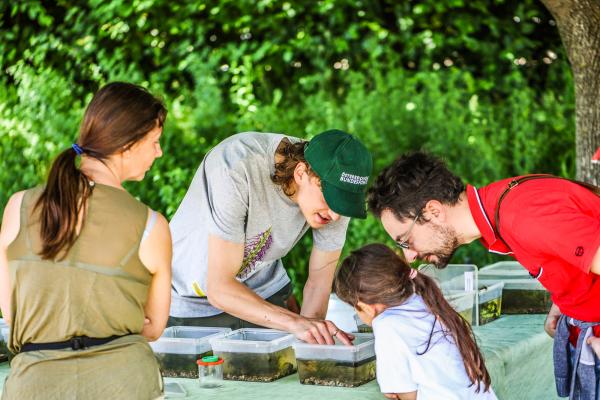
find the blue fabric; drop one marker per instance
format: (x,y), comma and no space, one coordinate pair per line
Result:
(597,372)
(77,149)
(576,369)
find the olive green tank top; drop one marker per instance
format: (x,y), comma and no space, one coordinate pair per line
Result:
(98,289)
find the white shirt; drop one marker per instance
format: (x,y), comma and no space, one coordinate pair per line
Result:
(403,331)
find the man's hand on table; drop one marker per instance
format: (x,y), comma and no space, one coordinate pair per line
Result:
(318,331)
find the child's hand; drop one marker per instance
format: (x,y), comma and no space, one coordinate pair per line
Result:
(595,343)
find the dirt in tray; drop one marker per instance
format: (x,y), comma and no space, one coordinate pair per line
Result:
(517,301)
(336,373)
(258,367)
(179,365)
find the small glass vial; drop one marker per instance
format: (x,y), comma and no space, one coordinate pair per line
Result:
(210,372)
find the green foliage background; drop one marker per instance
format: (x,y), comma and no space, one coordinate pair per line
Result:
(483,83)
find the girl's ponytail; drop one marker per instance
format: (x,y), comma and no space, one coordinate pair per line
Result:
(455,326)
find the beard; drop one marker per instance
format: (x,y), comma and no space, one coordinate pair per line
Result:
(449,244)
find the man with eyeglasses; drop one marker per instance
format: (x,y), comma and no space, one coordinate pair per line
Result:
(550,225)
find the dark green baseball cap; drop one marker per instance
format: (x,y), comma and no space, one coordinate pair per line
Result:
(344,165)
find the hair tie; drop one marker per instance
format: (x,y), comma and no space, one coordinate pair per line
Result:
(412,274)
(77,149)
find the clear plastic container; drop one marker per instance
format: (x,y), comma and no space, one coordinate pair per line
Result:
(255,354)
(361,327)
(521,294)
(4,331)
(341,314)
(454,277)
(464,303)
(458,283)
(178,349)
(489,299)
(210,372)
(337,365)
(5,354)
(174,390)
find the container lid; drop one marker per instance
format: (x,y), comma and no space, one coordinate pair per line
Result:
(505,265)
(363,348)
(252,340)
(517,284)
(512,273)
(507,269)
(210,360)
(187,339)
(487,293)
(460,300)
(453,277)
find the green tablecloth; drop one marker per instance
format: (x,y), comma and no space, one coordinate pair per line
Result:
(518,355)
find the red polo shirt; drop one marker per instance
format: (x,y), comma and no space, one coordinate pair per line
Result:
(552,227)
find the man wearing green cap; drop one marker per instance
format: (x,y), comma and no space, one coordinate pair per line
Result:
(251,200)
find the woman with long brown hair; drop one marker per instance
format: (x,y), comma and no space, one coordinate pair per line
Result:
(424,348)
(85,268)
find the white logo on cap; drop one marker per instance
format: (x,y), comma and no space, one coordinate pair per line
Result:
(354,179)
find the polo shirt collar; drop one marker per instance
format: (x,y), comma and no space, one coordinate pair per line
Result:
(488,235)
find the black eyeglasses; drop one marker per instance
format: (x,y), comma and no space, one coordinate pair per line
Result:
(403,244)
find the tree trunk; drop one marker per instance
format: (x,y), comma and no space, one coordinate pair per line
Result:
(578,22)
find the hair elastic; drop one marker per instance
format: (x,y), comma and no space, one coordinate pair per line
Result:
(77,149)
(412,274)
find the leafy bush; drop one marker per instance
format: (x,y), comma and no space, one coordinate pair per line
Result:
(482,83)
(444,113)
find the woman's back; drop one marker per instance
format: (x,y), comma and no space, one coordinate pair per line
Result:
(98,289)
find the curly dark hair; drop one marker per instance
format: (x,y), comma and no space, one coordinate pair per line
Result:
(410,182)
(291,154)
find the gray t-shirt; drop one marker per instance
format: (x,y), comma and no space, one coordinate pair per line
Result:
(232,196)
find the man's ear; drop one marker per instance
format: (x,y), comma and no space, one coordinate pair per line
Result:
(299,172)
(435,210)
(366,308)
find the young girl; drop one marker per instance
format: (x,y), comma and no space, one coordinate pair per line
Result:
(424,348)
